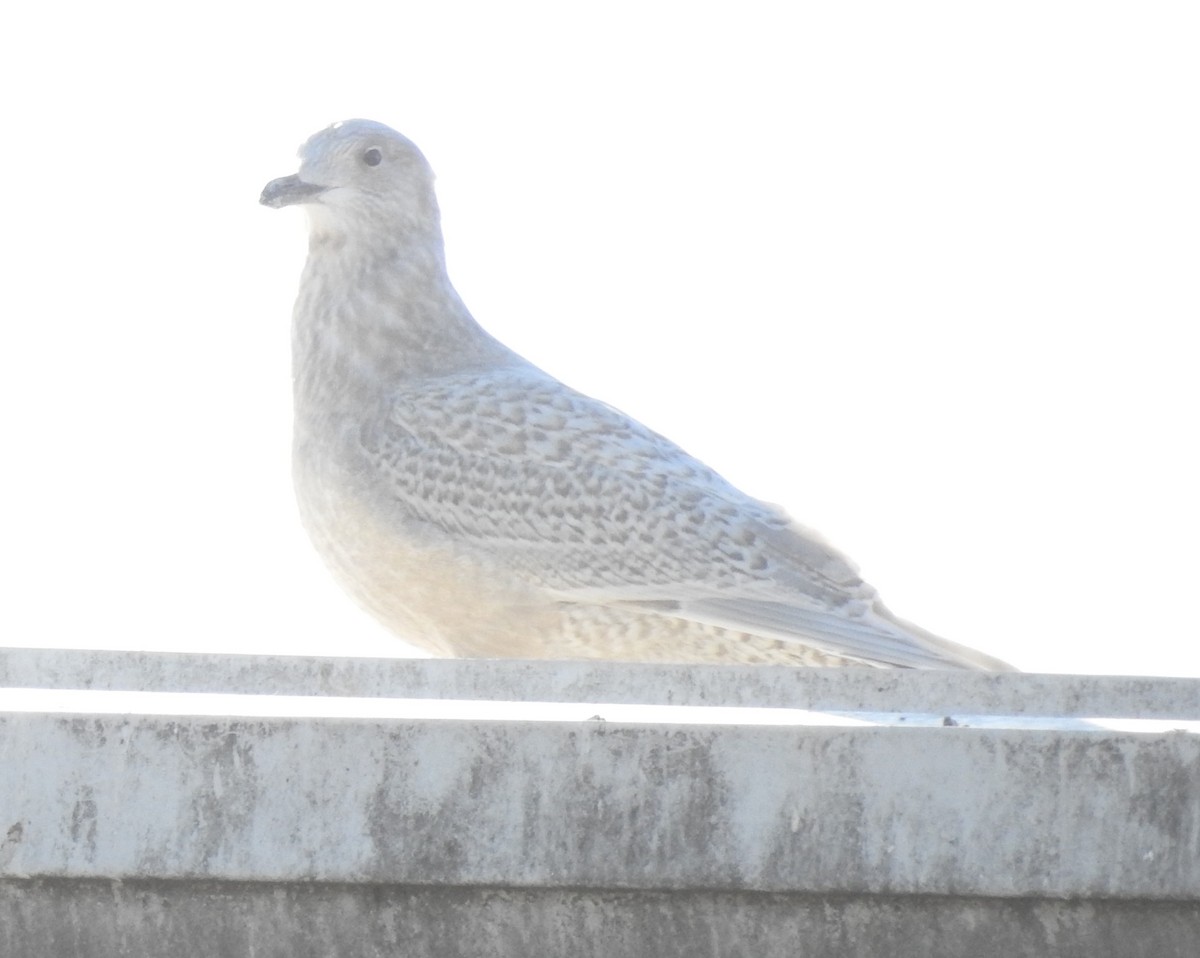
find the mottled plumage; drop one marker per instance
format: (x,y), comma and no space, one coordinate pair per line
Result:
(479,507)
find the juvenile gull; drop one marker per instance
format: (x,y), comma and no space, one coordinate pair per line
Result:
(479,507)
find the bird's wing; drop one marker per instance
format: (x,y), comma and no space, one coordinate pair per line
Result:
(591,506)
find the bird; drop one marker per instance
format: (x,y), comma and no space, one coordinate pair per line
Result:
(479,507)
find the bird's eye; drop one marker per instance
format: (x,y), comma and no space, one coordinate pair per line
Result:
(373,157)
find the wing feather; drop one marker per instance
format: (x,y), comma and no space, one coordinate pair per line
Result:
(593,507)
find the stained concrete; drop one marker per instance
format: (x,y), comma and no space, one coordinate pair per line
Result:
(58,918)
(151,834)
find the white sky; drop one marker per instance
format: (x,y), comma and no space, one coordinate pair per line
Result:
(925,273)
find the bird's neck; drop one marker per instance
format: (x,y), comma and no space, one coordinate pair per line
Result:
(372,316)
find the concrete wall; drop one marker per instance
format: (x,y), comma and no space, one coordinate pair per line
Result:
(289,834)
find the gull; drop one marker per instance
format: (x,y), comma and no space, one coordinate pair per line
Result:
(479,507)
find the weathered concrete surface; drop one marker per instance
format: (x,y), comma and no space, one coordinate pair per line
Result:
(146,835)
(72,919)
(976,812)
(865,690)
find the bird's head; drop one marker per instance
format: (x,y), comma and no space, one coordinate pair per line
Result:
(356,175)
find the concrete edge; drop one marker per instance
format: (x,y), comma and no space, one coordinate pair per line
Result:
(867,690)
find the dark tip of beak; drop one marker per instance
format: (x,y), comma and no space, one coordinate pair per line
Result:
(288,191)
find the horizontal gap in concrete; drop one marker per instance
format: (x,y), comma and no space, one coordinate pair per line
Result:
(91,702)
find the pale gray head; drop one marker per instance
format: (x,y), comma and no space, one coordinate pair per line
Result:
(359,176)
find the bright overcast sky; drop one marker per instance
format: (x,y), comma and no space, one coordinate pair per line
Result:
(924,273)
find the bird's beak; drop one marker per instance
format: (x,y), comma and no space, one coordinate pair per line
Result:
(288,191)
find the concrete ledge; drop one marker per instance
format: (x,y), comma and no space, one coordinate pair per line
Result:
(976,812)
(854,690)
(150,834)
